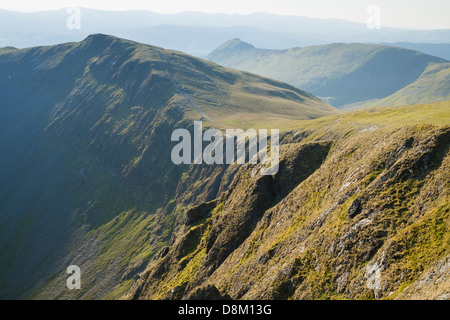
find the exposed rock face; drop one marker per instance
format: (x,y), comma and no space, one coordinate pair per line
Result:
(359,217)
(199,212)
(207,293)
(434,284)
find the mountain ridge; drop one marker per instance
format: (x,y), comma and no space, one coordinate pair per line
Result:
(86,142)
(364,214)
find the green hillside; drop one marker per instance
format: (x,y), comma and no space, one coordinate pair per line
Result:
(340,74)
(85,149)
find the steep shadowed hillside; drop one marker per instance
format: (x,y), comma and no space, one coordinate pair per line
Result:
(85,149)
(340,74)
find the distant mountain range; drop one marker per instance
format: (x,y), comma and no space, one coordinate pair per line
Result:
(346,74)
(199,33)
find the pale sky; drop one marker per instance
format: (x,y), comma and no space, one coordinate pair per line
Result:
(415,14)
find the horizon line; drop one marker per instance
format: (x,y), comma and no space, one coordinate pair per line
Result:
(403,28)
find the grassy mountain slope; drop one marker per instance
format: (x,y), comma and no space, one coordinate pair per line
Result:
(85,156)
(359,210)
(338,73)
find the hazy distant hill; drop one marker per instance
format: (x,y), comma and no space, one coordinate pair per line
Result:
(199,33)
(433,85)
(359,210)
(441,50)
(339,73)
